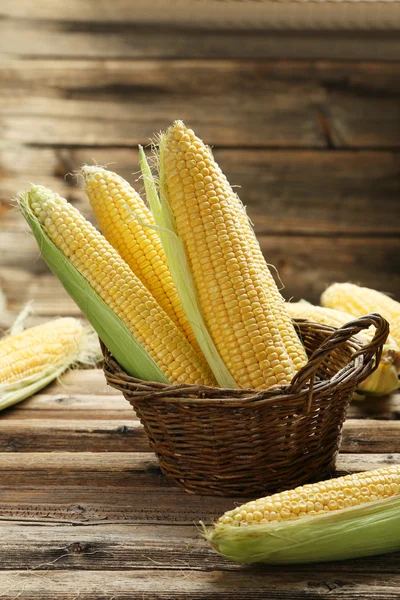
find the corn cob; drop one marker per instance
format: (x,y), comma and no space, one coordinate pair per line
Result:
(128,225)
(109,275)
(255,343)
(359,301)
(278,306)
(355,515)
(386,377)
(29,360)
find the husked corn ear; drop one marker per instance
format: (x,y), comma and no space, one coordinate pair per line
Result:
(39,348)
(318,314)
(109,275)
(279,310)
(359,301)
(240,310)
(317,498)
(347,517)
(32,358)
(122,216)
(382,381)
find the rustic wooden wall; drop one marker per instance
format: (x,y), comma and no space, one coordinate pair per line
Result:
(312,141)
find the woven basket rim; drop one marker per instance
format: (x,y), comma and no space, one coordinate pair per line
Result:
(303,387)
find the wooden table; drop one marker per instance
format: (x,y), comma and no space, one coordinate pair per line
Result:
(85,513)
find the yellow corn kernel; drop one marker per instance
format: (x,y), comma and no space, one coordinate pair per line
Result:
(123,218)
(348,517)
(325,496)
(248,326)
(37,349)
(359,301)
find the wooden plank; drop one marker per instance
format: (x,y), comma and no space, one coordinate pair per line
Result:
(304,263)
(63,413)
(109,547)
(123,547)
(164,504)
(245,583)
(74,39)
(367,435)
(138,99)
(66,405)
(70,406)
(132,462)
(281,190)
(97,435)
(277,104)
(104,462)
(210,14)
(146,75)
(137,470)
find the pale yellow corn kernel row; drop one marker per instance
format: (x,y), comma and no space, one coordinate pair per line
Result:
(359,301)
(122,217)
(38,348)
(116,284)
(381,382)
(318,498)
(237,307)
(332,317)
(294,347)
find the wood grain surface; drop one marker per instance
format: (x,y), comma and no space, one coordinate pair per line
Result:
(95,28)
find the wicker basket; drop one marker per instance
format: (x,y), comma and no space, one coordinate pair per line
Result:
(243,442)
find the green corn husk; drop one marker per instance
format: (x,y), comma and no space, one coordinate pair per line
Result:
(87,352)
(365,530)
(180,270)
(125,348)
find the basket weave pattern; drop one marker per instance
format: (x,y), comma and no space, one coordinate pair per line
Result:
(243,442)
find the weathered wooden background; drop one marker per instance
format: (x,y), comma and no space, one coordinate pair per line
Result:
(313,142)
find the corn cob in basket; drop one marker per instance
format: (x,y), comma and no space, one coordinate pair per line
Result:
(357,300)
(385,379)
(241,306)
